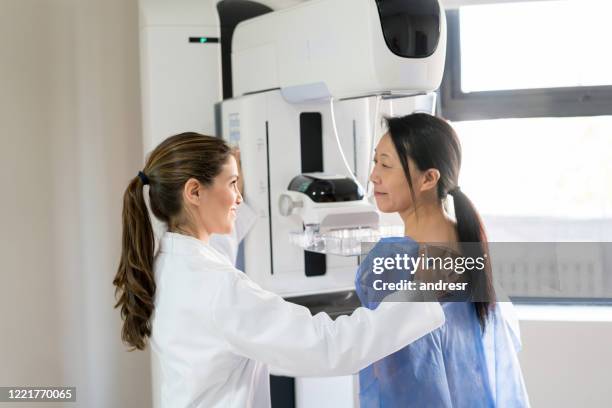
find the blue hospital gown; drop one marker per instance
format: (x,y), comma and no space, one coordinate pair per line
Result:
(454,366)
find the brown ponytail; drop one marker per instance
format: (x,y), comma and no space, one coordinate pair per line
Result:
(134,277)
(170,165)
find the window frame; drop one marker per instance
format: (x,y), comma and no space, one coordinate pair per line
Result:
(457,105)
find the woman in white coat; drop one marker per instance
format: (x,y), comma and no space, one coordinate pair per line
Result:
(213,332)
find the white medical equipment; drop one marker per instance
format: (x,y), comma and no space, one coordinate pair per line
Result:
(286,68)
(301,90)
(300,86)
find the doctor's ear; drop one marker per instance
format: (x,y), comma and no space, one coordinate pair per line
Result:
(430,179)
(192,191)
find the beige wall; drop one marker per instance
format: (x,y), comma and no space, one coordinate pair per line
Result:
(567,364)
(71,139)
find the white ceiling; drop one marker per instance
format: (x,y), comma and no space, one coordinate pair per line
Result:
(449,4)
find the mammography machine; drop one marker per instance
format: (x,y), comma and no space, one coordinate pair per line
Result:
(307,83)
(300,87)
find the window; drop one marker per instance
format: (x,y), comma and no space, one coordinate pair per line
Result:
(528,87)
(540,179)
(528,59)
(550,44)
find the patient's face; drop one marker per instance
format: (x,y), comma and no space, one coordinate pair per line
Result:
(391,188)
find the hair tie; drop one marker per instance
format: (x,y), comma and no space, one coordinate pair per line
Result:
(454,190)
(143,178)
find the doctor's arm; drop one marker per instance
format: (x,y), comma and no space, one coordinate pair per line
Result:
(263,326)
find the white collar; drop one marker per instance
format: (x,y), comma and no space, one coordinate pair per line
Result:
(180,244)
(175,243)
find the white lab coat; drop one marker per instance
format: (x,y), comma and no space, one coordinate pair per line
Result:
(215,333)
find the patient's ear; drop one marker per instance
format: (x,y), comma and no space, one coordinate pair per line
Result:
(429,179)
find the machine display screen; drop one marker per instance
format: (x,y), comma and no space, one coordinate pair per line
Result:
(411,28)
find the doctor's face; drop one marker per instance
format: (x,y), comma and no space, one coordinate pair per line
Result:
(391,188)
(218,204)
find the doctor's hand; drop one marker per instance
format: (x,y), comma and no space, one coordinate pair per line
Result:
(236,153)
(445,278)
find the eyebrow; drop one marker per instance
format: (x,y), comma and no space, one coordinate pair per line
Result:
(382,154)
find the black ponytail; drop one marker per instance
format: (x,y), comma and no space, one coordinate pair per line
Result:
(473,238)
(432,143)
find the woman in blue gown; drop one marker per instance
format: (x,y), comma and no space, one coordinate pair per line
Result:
(471,361)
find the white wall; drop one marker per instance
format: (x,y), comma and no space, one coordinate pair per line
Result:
(70,140)
(567,364)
